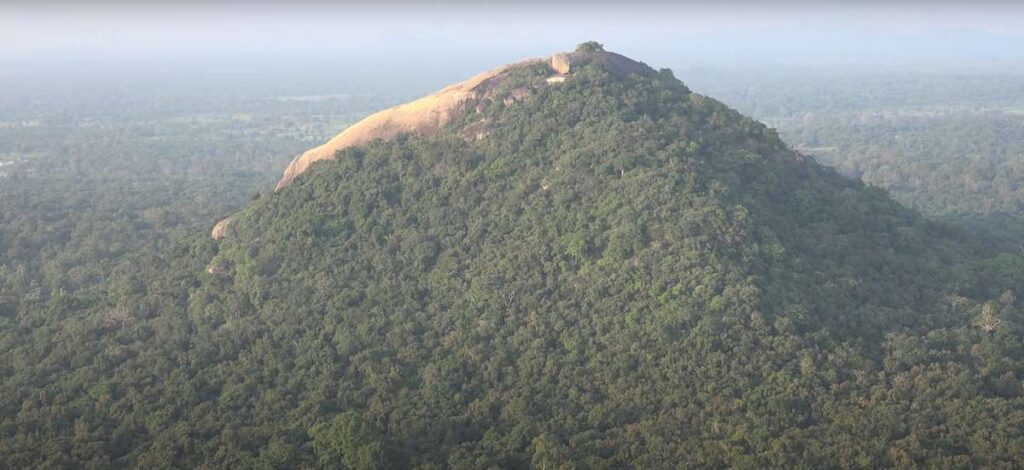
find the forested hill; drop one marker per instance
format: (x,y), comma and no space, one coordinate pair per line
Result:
(605,271)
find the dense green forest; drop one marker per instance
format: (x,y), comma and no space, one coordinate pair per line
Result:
(93,174)
(622,273)
(962,166)
(948,144)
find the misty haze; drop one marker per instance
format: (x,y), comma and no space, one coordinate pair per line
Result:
(511,235)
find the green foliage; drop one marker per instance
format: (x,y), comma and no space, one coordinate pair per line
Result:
(350,441)
(621,273)
(959,165)
(948,144)
(590,46)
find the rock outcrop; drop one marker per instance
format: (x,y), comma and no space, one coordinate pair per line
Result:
(561,63)
(423,116)
(220,230)
(429,114)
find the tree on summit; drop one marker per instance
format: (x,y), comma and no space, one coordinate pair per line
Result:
(590,46)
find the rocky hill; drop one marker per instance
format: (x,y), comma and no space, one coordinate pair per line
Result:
(573,263)
(428,115)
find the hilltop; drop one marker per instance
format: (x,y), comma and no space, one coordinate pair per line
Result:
(582,267)
(428,115)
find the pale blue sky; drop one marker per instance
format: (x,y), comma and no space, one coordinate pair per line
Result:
(951,34)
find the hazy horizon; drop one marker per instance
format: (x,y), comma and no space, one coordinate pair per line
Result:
(226,35)
(239,234)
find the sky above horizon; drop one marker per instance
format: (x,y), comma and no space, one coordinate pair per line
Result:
(713,34)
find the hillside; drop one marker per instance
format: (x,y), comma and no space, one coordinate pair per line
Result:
(604,271)
(428,115)
(947,144)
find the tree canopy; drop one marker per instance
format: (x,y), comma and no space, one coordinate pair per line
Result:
(613,272)
(590,46)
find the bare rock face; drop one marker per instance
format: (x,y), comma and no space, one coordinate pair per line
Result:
(423,116)
(561,63)
(429,114)
(217,268)
(517,95)
(220,230)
